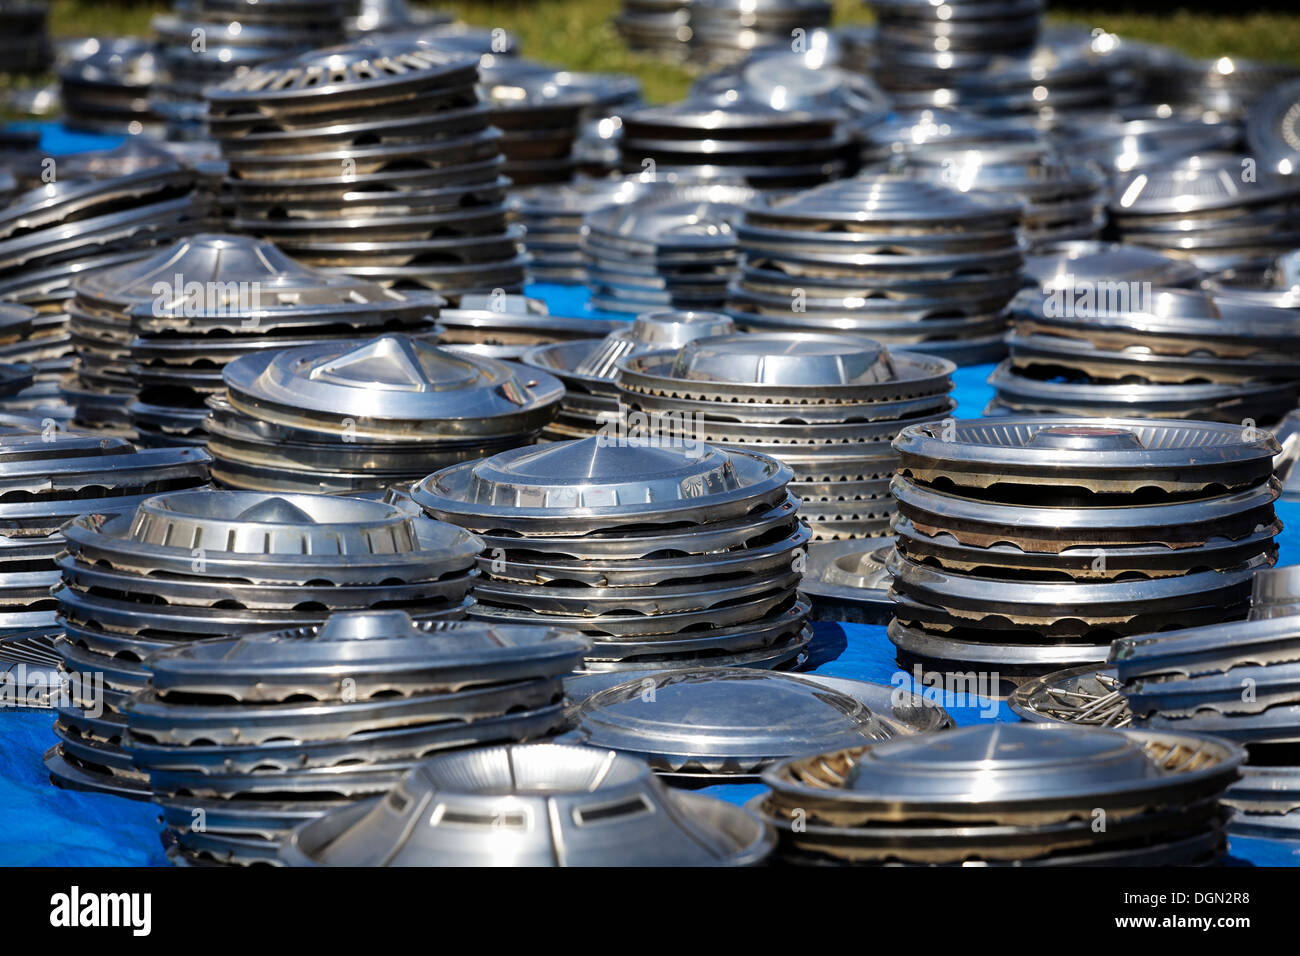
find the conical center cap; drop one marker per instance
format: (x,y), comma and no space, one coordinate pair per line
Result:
(395,363)
(275,511)
(602,472)
(776,360)
(1085,437)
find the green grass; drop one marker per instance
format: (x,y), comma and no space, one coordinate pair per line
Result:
(577,33)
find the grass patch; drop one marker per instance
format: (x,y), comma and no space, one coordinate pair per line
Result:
(578,34)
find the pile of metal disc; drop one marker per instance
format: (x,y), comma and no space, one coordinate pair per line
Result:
(1216,210)
(1226,85)
(655,26)
(755,718)
(589,367)
(1057,80)
(541,109)
(47,478)
(665,555)
(361,416)
(674,248)
(1006,795)
(1029,544)
(533,805)
(46,287)
(727,31)
(1063,198)
(393,16)
(196,564)
(1274,282)
(173,321)
(510,326)
(552,217)
(34,350)
(376,160)
(922,45)
(1122,144)
(1239,681)
(1099,347)
(904,132)
(205,42)
(826,405)
(25,37)
(816,80)
(87,215)
(765,147)
(108,90)
(80,222)
(244,738)
(904,262)
(1075,265)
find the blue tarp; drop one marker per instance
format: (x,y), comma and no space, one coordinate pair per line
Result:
(43,826)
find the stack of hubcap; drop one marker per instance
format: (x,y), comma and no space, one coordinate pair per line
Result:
(589,367)
(183,313)
(827,406)
(1122,145)
(195,564)
(1239,681)
(257,734)
(533,805)
(755,718)
(376,160)
(552,218)
(236,35)
(1207,210)
(362,416)
(900,261)
(657,26)
(541,109)
(1062,198)
(393,16)
(1007,794)
(818,79)
(1030,544)
(1059,77)
(922,45)
(107,91)
(1074,266)
(50,234)
(766,147)
(726,31)
(672,249)
(1228,86)
(48,346)
(904,132)
(509,326)
(665,555)
(48,478)
(33,349)
(1274,283)
(1121,348)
